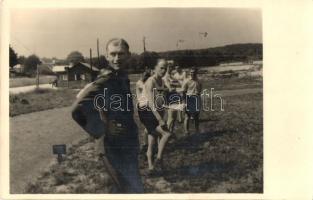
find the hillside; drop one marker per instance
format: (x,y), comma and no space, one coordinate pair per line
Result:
(215,55)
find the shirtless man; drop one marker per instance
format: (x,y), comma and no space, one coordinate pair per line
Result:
(181,77)
(192,89)
(174,96)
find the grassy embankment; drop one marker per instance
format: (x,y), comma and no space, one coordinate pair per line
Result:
(25,81)
(41,99)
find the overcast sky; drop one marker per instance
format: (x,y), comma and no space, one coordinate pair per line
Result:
(57,32)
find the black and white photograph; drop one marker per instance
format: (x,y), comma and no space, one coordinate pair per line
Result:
(167,99)
(135,100)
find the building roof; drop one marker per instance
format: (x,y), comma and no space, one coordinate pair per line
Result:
(257,62)
(18,66)
(86,65)
(61,68)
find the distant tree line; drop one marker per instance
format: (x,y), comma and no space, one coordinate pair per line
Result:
(214,56)
(198,57)
(30,63)
(147,59)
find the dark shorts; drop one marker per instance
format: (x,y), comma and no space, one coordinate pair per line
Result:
(193,105)
(173,97)
(148,119)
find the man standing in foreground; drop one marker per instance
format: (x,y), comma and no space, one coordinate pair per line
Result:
(113,124)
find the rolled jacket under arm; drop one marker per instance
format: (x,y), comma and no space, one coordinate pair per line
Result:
(84,111)
(117,108)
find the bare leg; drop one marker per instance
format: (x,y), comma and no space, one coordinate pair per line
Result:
(196,118)
(164,138)
(179,116)
(171,119)
(151,142)
(186,124)
(145,137)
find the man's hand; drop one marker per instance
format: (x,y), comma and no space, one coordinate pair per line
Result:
(99,146)
(162,123)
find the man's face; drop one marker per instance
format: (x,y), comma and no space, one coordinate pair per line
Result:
(117,56)
(178,69)
(193,74)
(160,68)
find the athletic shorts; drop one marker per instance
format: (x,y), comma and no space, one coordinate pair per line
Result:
(148,119)
(193,105)
(174,97)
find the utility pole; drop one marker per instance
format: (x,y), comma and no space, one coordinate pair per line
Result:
(179,41)
(37,76)
(98,51)
(91,73)
(67,74)
(37,70)
(144,43)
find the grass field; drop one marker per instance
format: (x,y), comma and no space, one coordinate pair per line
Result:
(31,138)
(47,98)
(232,83)
(39,100)
(225,157)
(24,81)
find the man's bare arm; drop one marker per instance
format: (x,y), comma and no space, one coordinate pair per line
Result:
(151,103)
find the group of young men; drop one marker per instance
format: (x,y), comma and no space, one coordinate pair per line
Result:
(115,128)
(166,89)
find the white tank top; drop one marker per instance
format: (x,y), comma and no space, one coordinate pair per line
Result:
(159,89)
(142,97)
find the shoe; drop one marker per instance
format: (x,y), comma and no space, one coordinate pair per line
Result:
(187,133)
(143,149)
(151,173)
(172,138)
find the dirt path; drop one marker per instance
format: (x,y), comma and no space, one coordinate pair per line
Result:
(31,139)
(29,88)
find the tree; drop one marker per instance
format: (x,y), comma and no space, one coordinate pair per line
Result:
(95,62)
(103,62)
(75,57)
(134,64)
(13,57)
(21,60)
(31,63)
(46,60)
(149,59)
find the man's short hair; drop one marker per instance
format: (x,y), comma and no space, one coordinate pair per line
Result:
(117,42)
(160,60)
(194,69)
